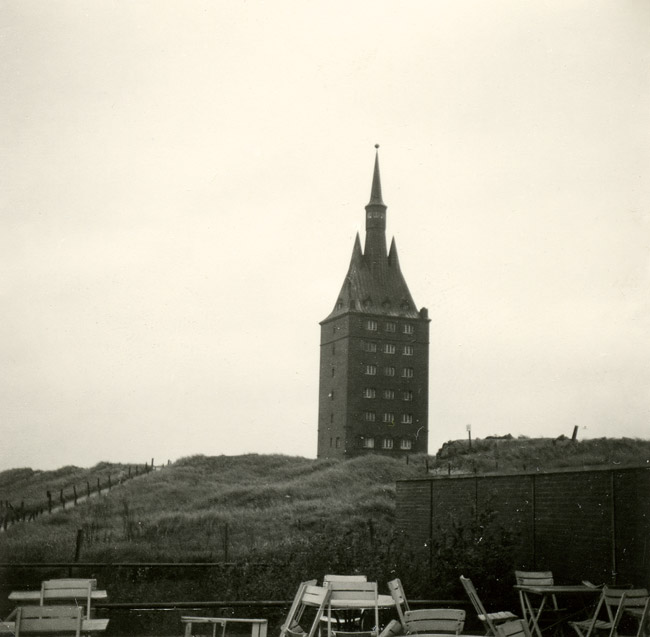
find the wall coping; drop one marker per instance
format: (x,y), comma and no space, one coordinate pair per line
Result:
(538,472)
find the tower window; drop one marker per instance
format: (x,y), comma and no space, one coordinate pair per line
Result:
(389,348)
(338,443)
(371,370)
(389,418)
(369,346)
(389,394)
(368,443)
(387,443)
(405,444)
(408,350)
(333,371)
(408,328)
(369,392)
(391,327)
(369,416)
(407,372)
(371,325)
(407,395)
(389,371)
(407,419)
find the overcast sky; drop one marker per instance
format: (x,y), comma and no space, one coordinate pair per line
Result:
(181,184)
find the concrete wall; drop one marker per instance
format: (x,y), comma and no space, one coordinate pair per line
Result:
(584,524)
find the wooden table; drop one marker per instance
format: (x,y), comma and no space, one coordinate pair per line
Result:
(87,626)
(532,614)
(34,597)
(259,627)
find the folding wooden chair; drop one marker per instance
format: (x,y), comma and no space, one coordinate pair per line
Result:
(612,605)
(77,591)
(358,595)
(292,618)
(489,620)
(446,621)
(308,596)
(61,621)
(350,616)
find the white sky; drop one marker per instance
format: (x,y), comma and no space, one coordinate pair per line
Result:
(181,183)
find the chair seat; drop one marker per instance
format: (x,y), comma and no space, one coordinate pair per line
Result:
(501,616)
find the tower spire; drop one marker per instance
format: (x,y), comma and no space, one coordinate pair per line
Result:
(375,247)
(375,191)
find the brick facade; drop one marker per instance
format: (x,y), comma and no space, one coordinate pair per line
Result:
(585,524)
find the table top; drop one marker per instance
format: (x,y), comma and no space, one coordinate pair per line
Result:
(87,625)
(35,596)
(383,601)
(557,589)
(221,620)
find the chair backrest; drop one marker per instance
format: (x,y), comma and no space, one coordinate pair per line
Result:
(534,578)
(78,591)
(365,592)
(619,600)
(514,628)
(344,578)
(49,620)
(478,605)
(399,597)
(473,595)
(434,620)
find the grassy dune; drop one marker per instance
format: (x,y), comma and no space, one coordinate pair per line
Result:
(242,507)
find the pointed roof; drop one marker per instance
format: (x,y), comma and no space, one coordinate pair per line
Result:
(375,190)
(374,283)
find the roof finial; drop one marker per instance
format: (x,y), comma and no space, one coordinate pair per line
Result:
(376,145)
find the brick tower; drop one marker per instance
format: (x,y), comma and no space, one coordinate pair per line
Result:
(374,354)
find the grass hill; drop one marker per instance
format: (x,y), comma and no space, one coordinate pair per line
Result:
(225,507)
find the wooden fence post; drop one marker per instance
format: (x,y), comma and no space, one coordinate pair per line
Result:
(74,492)
(49,501)
(61,498)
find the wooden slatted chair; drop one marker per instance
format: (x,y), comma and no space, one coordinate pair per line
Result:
(67,591)
(341,619)
(612,605)
(61,621)
(489,620)
(309,596)
(548,616)
(447,621)
(293,619)
(365,596)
